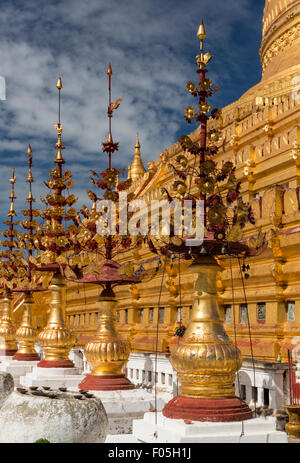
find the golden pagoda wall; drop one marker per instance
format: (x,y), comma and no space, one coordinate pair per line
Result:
(261,134)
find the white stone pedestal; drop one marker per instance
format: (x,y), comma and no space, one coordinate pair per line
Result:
(53,377)
(17,368)
(122,407)
(256,430)
(4,358)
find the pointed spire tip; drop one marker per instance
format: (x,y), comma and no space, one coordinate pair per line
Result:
(59,83)
(201,34)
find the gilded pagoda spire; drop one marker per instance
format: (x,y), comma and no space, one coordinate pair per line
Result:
(55,338)
(137,167)
(8,345)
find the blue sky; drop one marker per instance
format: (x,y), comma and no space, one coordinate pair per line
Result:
(151,46)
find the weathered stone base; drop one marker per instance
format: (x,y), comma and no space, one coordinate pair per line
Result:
(53,377)
(256,430)
(122,407)
(106,383)
(205,409)
(26,418)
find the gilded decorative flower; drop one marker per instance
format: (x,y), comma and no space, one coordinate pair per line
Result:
(204,107)
(57,183)
(110,176)
(208,166)
(36,212)
(185,142)
(189,112)
(235,233)
(206,186)
(111,195)
(191,87)
(55,172)
(26,223)
(62,241)
(67,174)
(57,228)
(206,84)
(45,241)
(214,136)
(70,200)
(182,160)
(227,167)
(91,195)
(216,215)
(71,212)
(69,183)
(179,187)
(72,228)
(219,235)
(58,211)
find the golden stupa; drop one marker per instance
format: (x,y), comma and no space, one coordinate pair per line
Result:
(137,167)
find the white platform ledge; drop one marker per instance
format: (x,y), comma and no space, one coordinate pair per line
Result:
(257,430)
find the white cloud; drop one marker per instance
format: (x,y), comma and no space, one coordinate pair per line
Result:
(151,46)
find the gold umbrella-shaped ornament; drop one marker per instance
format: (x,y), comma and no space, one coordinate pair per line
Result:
(56,242)
(28,283)
(206,360)
(12,267)
(106,352)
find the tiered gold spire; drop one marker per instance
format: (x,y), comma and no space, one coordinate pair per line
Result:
(55,338)
(8,345)
(206,360)
(26,334)
(137,168)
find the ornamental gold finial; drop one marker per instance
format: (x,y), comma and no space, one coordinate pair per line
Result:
(109,138)
(109,70)
(202,59)
(12,196)
(59,83)
(137,143)
(30,178)
(58,127)
(201,34)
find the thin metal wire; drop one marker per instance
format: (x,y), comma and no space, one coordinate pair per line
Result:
(249,331)
(156,342)
(180,305)
(235,339)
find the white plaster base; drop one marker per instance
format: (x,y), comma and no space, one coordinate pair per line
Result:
(5,358)
(122,407)
(257,430)
(53,377)
(17,368)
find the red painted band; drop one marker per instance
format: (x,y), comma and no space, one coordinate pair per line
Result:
(7,352)
(106,383)
(26,357)
(55,364)
(202,409)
